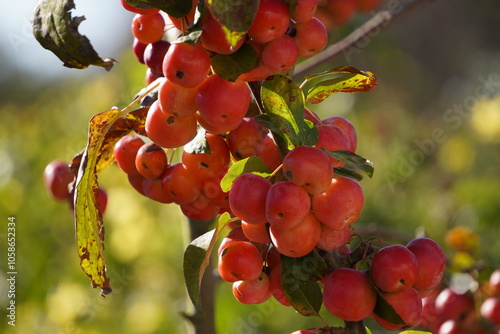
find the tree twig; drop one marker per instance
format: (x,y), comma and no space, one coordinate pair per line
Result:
(359,38)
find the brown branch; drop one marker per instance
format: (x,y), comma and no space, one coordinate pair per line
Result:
(353,43)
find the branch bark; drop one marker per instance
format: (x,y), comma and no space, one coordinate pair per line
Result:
(350,44)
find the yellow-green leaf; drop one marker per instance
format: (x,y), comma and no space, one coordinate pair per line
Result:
(88,218)
(345,79)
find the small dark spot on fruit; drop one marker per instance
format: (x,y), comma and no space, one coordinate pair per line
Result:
(171,120)
(179,74)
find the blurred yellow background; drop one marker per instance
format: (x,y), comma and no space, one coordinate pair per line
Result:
(432,128)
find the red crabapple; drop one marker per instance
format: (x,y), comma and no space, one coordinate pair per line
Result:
(494,282)
(407,303)
(286,205)
(180,184)
(236,234)
(125,151)
(270,22)
(148,28)
(280,54)
(457,306)
(154,54)
(394,268)
(57,176)
(214,38)
(240,261)
(305,10)
(252,291)
(244,140)
(431,262)
(346,126)
(333,239)
(256,232)
(308,167)
(349,295)
(332,138)
(151,161)
(223,103)
(490,310)
(276,287)
(299,240)
(247,198)
(168,130)
(186,65)
(311,37)
(177,100)
(340,205)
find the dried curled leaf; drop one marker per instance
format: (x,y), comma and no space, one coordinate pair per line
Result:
(57,31)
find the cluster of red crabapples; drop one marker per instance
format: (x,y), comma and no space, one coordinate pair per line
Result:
(403,275)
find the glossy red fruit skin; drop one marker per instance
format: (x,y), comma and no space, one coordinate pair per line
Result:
(456,306)
(247,198)
(148,28)
(270,22)
(205,166)
(332,138)
(222,103)
(167,130)
(394,268)
(240,261)
(213,37)
(154,54)
(340,205)
(235,234)
(407,303)
(177,100)
(244,140)
(180,184)
(138,49)
(151,161)
(349,295)
(200,209)
(330,240)
(308,167)
(346,126)
(252,292)
(57,176)
(186,65)
(494,282)
(286,205)
(431,262)
(305,10)
(307,231)
(276,287)
(490,310)
(311,37)
(280,54)
(256,232)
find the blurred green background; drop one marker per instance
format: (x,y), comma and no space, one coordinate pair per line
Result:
(432,128)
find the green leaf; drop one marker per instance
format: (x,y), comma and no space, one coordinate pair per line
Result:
(353,161)
(305,296)
(283,102)
(251,164)
(175,8)
(310,267)
(385,310)
(231,66)
(196,259)
(235,16)
(346,79)
(57,31)
(199,144)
